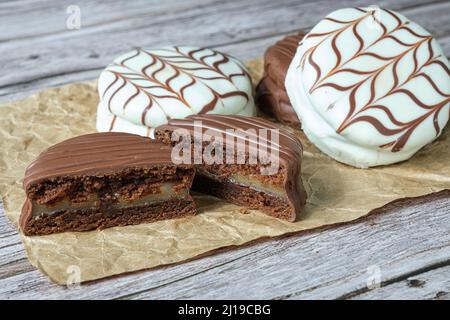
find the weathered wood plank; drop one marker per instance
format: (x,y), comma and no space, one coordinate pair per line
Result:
(434,284)
(90,49)
(13,259)
(317,264)
(8,233)
(15,266)
(39,18)
(19,285)
(52,15)
(330,264)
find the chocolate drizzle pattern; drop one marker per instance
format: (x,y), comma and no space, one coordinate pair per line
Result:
(407,47)
(173,82)
(289,147)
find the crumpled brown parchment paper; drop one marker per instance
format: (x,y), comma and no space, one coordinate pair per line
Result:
(337,193)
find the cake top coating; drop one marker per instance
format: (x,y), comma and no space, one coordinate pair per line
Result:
(289,146)
(279,56)
(271,93)
(96,153)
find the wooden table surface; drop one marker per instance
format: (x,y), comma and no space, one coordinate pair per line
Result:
(406,248)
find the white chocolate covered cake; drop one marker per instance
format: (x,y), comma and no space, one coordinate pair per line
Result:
(370,87)
(144,89)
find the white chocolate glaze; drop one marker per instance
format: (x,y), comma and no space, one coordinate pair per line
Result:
(144,89)
(106,121)
(369,86)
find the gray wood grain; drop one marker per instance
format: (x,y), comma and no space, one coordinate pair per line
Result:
(326,265)
(61,57)
(38,51)
(52,14)
(431,285)
(329,263)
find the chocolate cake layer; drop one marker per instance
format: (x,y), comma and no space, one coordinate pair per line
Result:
(223,179)
(243,195)
(116,178)
(96,218)
(271,95)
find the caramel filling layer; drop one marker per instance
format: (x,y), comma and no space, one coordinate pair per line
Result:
(248,181)
(166,192)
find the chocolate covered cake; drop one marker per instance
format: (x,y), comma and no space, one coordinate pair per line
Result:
(102,180)
(271,95)
(240,172)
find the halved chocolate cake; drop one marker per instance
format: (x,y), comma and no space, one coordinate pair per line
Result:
(102,180)
(245,160)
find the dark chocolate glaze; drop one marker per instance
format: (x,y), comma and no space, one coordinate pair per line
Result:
(96,153)
(271,95)
(289,148)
